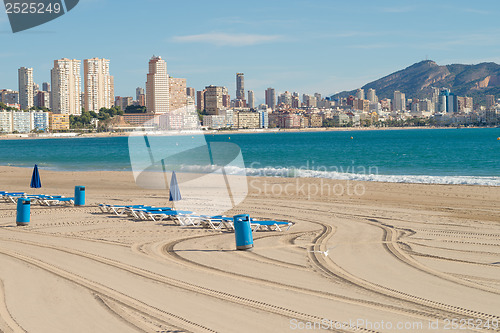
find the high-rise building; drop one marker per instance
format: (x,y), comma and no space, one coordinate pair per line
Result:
(26,91)
(251,99)
(450,101)
(399,103)
(426,105)
(285,98)
(271,98)
(177,91)
(200,100)
(372,96)
(226,99)
(214,99)
(42,99)
(190,92)
(46,86)
(140,97)
(123,102)
(138,92)
(435,96)
(157,95)
(9,97)
(65,80)
(490,100)
(240,86)
(98,85)
(360,94)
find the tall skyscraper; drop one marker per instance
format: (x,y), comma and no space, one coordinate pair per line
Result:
(98,85)
(360,94)
(177,91)
(271,98)
(450,99)
(157,92)
(399,102)
(190,92)
(65,96)
(26,91)
(214,99)
(251,99)
(490,100)
(138,92)
(371,96)
(46,86)
(240,86)
(200,100)
(140,97)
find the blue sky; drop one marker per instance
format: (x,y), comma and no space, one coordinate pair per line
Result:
(310,46)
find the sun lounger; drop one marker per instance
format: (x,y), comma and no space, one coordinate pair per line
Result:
(11,196)
(160,215)
(216,222)
(270,225)
(118,209)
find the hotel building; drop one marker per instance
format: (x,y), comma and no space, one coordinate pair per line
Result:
(177,93)
(65,95)
(157,89)
(26,91)
(98,85)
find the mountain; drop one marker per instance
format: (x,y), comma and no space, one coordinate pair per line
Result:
(417,81)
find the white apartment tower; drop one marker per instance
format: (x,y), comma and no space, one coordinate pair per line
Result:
(157,90)
(65,81)
(372,96)
(360,94)
(98,85)
(251,99)
(26,91)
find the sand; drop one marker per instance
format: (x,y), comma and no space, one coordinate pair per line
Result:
(382,257)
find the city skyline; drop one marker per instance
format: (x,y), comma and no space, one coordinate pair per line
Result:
(304,47)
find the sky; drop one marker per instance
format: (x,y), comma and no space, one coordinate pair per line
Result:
(323,46)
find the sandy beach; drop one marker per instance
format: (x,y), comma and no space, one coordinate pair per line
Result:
(385,257)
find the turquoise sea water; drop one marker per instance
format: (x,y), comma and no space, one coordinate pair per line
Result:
(446,156)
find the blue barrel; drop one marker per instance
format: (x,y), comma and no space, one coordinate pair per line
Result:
(79,195)
(243,232)
(23,211)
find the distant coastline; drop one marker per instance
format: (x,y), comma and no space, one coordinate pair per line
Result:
(218,132)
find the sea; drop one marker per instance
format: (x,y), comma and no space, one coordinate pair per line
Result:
(437,156)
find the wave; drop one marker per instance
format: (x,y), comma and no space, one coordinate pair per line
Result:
(305,173)
(302,173)
(418,179)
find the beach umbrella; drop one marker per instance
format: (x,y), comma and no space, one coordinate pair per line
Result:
(175,193)
(35,178)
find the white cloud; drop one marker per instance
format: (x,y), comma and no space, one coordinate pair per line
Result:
(223,39)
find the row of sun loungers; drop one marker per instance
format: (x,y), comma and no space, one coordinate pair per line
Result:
(187,218)
(41,199)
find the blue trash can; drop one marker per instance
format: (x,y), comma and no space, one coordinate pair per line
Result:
(23,211)
(243,232)
(79,195)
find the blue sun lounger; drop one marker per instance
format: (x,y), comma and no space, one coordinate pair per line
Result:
(9,196)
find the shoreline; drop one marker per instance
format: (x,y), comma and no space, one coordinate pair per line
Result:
(268,178)
(76,135)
